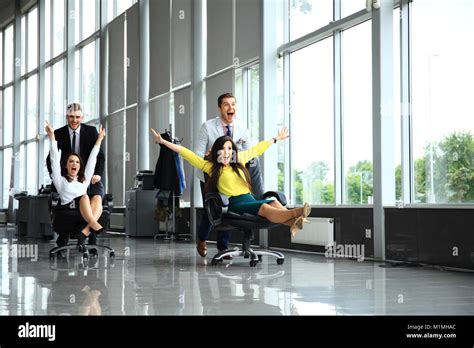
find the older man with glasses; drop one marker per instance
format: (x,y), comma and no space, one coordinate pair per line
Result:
(80,138)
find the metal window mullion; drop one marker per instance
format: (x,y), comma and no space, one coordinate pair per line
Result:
(16,90)
(70,52)
(406,112)
(338,120)
(324,32)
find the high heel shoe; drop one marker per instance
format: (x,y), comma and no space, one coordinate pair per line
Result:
(306,210)
(297,226)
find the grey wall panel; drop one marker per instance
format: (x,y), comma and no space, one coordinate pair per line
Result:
(247,29)
(183,130)
(115,157)
(159,47)
(7,13)
(220,48)
(116,88)
(133,48)
(215,86)
(131,147)
(181,42)
(159,120)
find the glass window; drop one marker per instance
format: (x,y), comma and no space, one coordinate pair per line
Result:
(283,166)
(22,109)
(85,19)
(357,114)
(349,7)
(45,179)
(21,166)
(31,168)
(123,5)
(23,45)
(312,117)
(442,75)
(253,120)
(32,107)
(32,39)
(89,95)
(308,15)
(7,168)
(8,116)
(58,27)
(1,57)
(47,30)
(47,94)
(247,96)
(59,95)
(397,121)
(9,52)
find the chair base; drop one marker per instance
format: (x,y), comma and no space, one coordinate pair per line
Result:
(254,255)
(53,253)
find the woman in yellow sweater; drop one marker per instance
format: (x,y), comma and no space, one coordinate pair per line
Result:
(228,175)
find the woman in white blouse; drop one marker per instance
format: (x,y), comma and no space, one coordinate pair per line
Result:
(72,180)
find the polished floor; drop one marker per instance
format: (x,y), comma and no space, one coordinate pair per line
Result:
(170,278)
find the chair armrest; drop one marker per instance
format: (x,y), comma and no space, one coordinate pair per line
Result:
(109,201)
(280,196)
(215,204)
(54,199)
(219,197)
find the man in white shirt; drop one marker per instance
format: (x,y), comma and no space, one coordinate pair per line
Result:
(225,124)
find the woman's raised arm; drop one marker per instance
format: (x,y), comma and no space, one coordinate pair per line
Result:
(160,140)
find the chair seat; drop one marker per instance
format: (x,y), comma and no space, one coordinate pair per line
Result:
(244,221)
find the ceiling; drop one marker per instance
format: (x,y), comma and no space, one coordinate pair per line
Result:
(5,3)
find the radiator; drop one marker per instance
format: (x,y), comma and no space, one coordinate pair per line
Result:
(319,232)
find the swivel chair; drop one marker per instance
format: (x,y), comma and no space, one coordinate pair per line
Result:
(222,220)
(68,222)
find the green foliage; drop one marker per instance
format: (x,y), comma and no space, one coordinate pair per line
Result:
(303,5)
(312,184)
(453,176)
(453,168)
(360,174)
(420,180)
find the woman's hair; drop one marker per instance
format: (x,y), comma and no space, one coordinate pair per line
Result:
(80,174)
(217,167)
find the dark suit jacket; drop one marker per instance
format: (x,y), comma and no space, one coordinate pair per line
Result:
(166,174)
(88,138)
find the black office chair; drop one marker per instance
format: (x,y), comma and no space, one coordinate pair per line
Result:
(68,223)
(222,220)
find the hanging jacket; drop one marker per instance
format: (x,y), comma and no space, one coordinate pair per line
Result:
(180,169)
(166,172)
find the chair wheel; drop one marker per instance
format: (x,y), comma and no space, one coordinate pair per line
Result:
(280,261)
(253,263)
(111,254)
(85,256)
(260,258)
(215,262)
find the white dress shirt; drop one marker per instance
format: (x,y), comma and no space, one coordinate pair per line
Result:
(70,190)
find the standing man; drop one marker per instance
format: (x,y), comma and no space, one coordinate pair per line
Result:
(225,124)
(80,139)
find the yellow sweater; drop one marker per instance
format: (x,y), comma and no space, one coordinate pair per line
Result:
(230,183)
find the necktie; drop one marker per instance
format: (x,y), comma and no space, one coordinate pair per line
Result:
(73,147)
(229,133)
